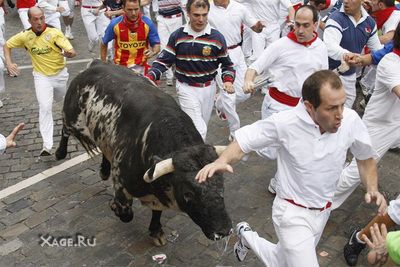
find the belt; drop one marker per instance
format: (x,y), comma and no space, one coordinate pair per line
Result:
(200,84)
(91,7)
(327,206)
(234,46)
(283,98)
(173,16)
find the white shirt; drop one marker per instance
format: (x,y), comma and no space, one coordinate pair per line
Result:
(229,20)
(384,105)
(268,10)
(290,63)
(49,6)
(95,3)
(391,23)
(333,37)
(3,144)
(309,163)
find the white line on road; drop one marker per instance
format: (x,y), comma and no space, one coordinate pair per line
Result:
(69,62)
(43,175)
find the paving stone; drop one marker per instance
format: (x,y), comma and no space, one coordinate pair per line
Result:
(19,205)
(13,231)
(10,247)
(39,218)
(44,204)
(17,217)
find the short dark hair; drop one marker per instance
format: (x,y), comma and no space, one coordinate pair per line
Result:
(312,9)
(396,37)
(387,3)
(123,2)
(313,84)
(197,3)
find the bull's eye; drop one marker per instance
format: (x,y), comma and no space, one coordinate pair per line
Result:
(188,196)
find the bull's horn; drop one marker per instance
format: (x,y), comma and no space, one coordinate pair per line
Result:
(220,149)
(162,168)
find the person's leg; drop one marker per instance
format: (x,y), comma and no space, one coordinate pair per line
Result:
(258,44)
(69,19)
(59,82)
(206,97)
(44,95)
(23,15)
(89,21)
(191,105)
(349,84)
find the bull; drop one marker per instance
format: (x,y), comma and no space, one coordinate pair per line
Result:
(150,148)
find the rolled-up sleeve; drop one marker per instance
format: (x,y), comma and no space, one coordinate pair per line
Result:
(332,38)
(361,147)
(3,144)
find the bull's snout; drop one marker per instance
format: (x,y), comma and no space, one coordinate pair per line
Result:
(125,213)
(219,236)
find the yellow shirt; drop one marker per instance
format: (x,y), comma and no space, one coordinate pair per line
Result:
(45,50)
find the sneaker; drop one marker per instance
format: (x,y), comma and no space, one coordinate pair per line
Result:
(68,33)
(352,249)
(231,138)
(272,186)
(44,153)
(220,115)
(239,248)
(170,82)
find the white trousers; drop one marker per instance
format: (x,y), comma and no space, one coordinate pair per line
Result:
(2,86)
(262,40)
(95,25)
(23,15)
(383,137)
(48,88)
(247,46)
(349,84)
(197,102)
(166,26)
(227,102)
(53,19)
(299,231)
(368,80)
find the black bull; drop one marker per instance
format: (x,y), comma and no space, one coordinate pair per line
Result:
(139,129)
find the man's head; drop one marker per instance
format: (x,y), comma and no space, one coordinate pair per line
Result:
(352,7)
(221,2)
(198,14)
(377,5)
(305,23)
(131,9)
(319,4)
(324,97)
(36,19)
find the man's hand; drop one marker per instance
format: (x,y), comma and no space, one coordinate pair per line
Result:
(148,53)
(13,69)
(10,138)
(258,27)
(60,9)
(379,200)
(248,87)
(69,54)
(209,170)
(353,59)
(378,250)
(228,87)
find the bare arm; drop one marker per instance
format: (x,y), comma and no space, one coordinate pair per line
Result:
(386,37)
(396,90)
(11,137)
(369,177)
(12,68)
(69,54)
(103,52)
(232,154)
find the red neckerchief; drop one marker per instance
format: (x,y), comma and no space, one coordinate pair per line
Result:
(41,31)
(381,16)
(293,37)
(132,25)
(396,51)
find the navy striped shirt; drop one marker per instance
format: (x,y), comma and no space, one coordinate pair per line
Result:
(196,59)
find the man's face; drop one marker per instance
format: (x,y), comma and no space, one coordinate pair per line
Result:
(198,17)
(352,7)
(37,20)
(220,2)
(132,10)
(374,5)
(304,26)
(319,7)
(329,114)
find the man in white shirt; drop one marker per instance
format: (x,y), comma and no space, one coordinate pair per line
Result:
(228,17)
(312,142)
(301,53)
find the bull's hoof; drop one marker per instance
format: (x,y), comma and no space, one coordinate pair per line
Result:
(60,153)
(159,238)
(104,174)
(126,217)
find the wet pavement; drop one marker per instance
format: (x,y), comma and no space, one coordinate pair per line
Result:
(73,203)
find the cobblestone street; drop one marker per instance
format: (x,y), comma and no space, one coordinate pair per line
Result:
(74,201)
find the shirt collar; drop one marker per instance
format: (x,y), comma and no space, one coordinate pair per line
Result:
(364,15)
(188,30)
(302,113)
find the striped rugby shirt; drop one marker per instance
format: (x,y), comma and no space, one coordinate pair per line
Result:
(196,59)
(129,46)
